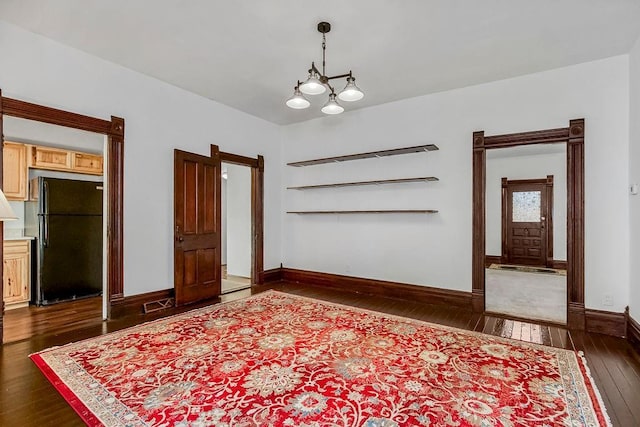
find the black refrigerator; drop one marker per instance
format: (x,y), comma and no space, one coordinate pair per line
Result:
(66,220)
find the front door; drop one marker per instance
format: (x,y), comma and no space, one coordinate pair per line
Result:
(197,183)
(527,221)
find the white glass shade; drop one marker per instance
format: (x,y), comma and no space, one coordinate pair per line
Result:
(313,86)
(298,101)
(351,92)
(332,106)
(6,213)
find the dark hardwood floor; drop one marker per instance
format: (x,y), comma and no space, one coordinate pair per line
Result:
(27,398)
(23,323)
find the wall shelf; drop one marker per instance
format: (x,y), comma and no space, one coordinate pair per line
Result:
(369,155)
(375,182)
(411,211)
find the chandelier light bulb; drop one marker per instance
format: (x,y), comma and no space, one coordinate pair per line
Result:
(351,92)
(313,86)
(297,101)
(332,106)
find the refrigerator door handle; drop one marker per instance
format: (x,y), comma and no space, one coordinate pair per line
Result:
(45,216)
(45,231)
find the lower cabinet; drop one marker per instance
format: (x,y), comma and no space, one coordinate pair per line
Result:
(17,273)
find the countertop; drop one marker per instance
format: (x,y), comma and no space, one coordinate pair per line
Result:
(19,238)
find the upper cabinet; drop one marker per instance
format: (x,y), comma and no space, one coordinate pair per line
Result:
(50,158)
(86,163)
(14,170)
(65,160)
(18,157)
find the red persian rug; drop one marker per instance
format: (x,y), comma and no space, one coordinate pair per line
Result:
(281,360)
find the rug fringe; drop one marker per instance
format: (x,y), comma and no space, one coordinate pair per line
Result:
(587,372)
(55,347)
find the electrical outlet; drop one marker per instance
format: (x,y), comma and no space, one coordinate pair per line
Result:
(607,300)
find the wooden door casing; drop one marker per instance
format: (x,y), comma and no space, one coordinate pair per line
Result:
(197,184)
(114,129)
(257,210)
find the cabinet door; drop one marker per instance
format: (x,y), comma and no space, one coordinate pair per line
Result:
(87,163)
(14,170)
(50,158)
(16,282)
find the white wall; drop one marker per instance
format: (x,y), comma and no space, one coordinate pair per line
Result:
(435,250)
(223,222)
(519,165)
(159,117)
(15,228)
(634,177)
(239,220)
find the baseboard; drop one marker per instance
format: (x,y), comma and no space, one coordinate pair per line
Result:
(477,300)
(133,305)
(633,333)
(272,275)
(576,316)
(560,265)
(606,322)
(591,320)
(403,291)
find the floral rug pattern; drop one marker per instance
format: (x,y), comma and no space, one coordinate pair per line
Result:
(276,359)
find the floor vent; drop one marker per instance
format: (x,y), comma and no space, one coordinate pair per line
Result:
(161,304)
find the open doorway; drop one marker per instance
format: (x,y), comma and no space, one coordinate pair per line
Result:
(113,133)
(526,254)
(236,230)
(54,253)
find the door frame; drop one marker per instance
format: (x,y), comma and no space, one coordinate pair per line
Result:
(573,137)
(257,211)
(547,214)
(114,175)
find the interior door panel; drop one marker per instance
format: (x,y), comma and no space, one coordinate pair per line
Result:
(197,184)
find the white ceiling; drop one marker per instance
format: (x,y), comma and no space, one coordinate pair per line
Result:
(249,54)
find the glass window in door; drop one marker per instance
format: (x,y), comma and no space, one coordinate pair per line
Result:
(526,206)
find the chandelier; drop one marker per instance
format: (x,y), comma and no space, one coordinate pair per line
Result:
(317,83)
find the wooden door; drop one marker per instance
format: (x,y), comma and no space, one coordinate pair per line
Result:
(527,221)
(197,183)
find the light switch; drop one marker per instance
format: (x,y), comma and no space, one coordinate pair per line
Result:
(634,189)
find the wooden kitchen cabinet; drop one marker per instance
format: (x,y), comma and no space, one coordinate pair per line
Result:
(14,170)
(17,273)
(50,158)
(87,163)
(58,159)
